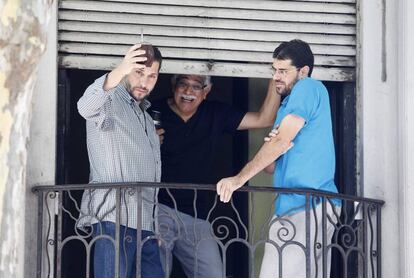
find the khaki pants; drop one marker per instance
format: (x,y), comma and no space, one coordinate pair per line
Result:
(289,234)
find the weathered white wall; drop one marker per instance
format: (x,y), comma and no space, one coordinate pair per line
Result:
(42,144)
(406,135)
(22,35)
(378,119)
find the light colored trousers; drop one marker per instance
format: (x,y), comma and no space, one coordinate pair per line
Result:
(292,261)
(192,243)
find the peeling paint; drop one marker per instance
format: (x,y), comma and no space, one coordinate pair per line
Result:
(9,11)
(5,130)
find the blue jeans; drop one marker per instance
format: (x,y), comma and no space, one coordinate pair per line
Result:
(104,254)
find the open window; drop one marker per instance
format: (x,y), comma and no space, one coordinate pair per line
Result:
(232,40)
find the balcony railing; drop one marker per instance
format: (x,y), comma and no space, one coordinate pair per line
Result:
(355,246)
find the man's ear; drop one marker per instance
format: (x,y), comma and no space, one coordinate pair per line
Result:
(207,90)
(304,72)
(208,87)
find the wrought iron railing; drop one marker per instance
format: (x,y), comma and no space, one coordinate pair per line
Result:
(63,233)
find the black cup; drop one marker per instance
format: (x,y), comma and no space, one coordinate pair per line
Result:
(149,53)
(156,117)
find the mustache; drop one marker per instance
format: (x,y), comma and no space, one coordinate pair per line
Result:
(139,88)
(187,96)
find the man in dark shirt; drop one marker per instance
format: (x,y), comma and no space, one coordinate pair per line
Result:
(193,128)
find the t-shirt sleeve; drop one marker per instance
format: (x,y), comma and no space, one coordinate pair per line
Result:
(303,100)
(230,117)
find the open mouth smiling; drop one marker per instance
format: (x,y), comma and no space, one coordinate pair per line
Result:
(188,98)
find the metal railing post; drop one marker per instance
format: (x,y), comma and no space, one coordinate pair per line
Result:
(39,233)
(308,241)
(139,231)
(117,230)
(324,240)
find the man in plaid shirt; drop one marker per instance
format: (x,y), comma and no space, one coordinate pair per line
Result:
(123,146)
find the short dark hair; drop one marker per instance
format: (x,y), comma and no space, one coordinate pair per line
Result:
(298,51)
(157,56)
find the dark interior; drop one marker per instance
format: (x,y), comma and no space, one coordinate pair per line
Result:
(73,166)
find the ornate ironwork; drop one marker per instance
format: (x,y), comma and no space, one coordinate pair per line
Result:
(355,223)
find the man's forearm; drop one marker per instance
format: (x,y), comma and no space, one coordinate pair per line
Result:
(268,153)
(271,103)
(113,79)
(267,113)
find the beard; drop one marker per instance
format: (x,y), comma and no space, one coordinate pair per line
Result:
(287,89)
(130,90)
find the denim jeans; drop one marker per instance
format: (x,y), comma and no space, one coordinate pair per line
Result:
(104,254)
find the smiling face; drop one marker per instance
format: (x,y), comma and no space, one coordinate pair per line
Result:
(189,93)
(140,83)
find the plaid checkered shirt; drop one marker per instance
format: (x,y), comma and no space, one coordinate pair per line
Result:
(122,147)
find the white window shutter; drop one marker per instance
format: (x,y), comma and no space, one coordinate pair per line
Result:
(215,37)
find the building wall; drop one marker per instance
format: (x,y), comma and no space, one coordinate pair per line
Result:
(405,60)
(386,129)
(42,142)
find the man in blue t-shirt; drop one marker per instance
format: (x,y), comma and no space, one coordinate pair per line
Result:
(301,155)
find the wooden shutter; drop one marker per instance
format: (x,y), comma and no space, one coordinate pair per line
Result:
(216,37)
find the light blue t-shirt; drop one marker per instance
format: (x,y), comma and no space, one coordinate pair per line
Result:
(310,164)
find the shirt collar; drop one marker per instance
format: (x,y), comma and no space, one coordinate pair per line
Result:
(285,100)
(145,104)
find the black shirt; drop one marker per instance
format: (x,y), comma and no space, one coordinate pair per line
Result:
(187,152)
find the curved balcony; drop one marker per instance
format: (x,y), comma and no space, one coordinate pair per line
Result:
(64,236)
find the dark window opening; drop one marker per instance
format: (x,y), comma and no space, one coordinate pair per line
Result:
(73,164)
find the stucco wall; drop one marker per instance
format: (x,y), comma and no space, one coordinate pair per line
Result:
(387,129)
(42,142)
(406,134)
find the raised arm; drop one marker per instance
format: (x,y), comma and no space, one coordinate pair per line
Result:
(268,153)
(265,117)
(91,104)
(132,61)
